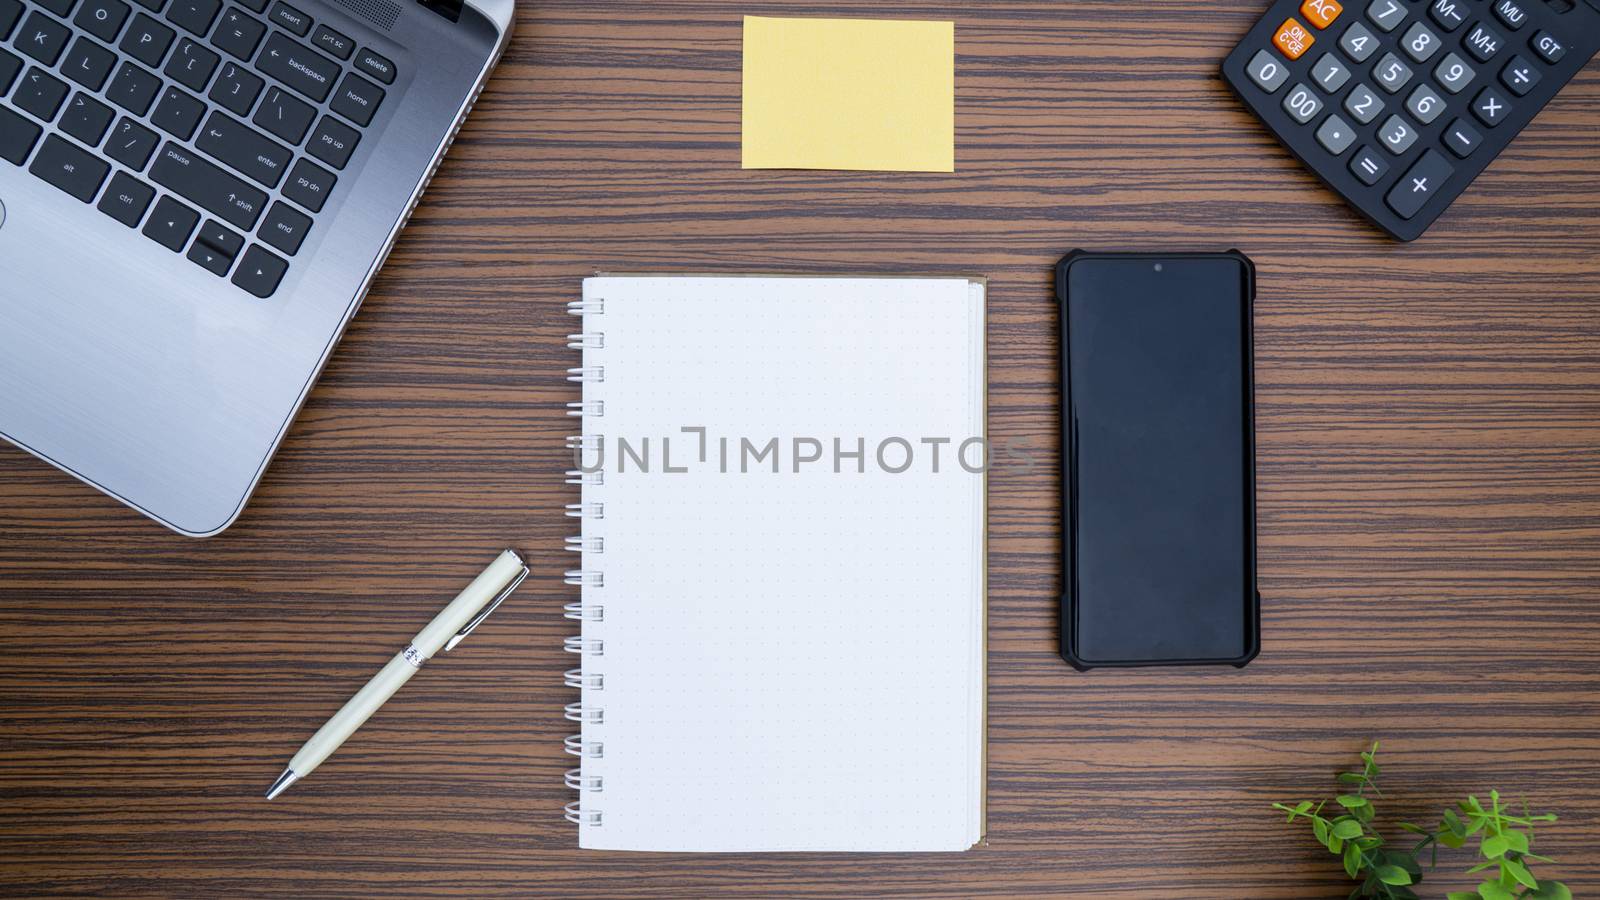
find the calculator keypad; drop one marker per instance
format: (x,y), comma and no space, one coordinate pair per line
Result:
(1392,101)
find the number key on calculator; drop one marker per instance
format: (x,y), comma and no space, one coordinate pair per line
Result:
(1399,104)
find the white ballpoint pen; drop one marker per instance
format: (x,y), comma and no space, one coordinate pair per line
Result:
(464,613)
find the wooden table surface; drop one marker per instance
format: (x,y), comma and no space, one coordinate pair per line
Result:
(1429,467)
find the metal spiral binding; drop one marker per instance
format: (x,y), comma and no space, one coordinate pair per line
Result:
(581,544)
(586,648)
(586,510)
(585,612)
(592,647)
(579,816)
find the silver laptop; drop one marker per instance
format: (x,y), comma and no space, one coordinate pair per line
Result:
(194,197)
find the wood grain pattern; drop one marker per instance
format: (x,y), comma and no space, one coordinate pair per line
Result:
(1429,485)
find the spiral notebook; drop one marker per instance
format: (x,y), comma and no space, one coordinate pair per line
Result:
(783,564)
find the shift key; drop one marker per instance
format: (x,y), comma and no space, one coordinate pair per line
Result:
(298,66)
(207,186)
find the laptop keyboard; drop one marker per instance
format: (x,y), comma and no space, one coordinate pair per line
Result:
(220,129)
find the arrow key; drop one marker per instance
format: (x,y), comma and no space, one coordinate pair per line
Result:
(259,272)
(171,224)
(210,258)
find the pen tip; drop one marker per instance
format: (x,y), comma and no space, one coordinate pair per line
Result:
(282,784)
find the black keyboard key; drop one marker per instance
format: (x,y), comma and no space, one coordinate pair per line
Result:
(290,19)
(220,237)
(357,99)
(178,114)
(210,187)
(102,18)
(1549,47)
(192,65)
(88,63)
(133,89)
(131,144)
(40,94)
(86,119)
(309,185)
(1483,42)
(209,258)
(284,116)
(260,272)
(69,168)
(59,7)
(254,6)
(236,89)
(244,149)
(17,137)
(377,66)
(10,65)
(330,41)
(333,142)
(298,66)
(194,15)
(1520,76)
(285,228)
(147,40)
(238,34)
(154,6)
(1462,138)
(1415,188)
(170,224)
(10,14)
(126,199)
(42,38)
(1491,107)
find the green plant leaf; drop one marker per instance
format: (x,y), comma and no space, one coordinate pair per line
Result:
(1516,840)
(1550,890)
(1350,801)
(1520,873)
(1453,841)
(1320,829)
(1352,778)
(1491,864)
(1491,890)
(1462,895)
(1414,829)
(1364,813)
(1352,860)
(1393,875)
(1453,822)
(1494,846)
(1335,844)
(1346,829)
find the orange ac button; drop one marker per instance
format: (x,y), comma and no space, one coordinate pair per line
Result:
(1293,39)
(1321,12)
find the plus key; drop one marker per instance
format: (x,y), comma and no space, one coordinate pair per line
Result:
(1422,183)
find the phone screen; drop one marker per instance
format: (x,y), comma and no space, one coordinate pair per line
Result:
(1160,484)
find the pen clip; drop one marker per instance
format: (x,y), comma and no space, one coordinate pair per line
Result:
(484,613)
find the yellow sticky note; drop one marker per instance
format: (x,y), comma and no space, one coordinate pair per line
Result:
(849,94)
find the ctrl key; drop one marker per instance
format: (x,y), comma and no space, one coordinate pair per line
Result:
(259,272)
(1425,180)
(126,199)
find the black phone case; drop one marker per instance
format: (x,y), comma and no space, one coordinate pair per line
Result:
(1250,605)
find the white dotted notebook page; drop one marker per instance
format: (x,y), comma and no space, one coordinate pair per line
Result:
(789,660)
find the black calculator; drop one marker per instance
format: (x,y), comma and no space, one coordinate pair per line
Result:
(1399,104)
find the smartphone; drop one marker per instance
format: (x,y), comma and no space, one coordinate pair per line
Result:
(1157,360)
